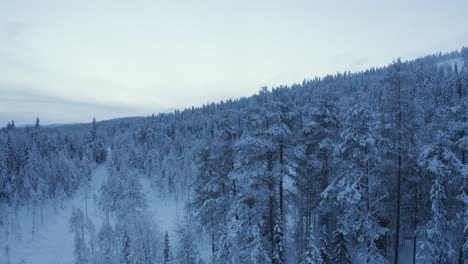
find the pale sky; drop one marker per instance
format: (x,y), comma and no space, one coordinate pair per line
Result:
(67,61)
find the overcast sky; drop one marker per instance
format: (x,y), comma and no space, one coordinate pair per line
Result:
(67,61)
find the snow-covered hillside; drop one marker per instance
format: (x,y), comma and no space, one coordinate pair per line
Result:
(52,242)
(353,166)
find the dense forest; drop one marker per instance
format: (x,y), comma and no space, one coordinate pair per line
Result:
(347,168)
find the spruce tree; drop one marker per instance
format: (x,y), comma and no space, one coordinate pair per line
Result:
(167,250)
(436,248)
(340,254)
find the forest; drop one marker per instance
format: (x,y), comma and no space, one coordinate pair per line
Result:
(363,167)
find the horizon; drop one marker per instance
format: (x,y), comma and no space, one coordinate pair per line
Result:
(67,63)
(171,110)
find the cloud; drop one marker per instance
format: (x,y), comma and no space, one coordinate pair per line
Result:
(23,105)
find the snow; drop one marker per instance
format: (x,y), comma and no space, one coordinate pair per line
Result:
(406,253)
(166,211)
(53,242)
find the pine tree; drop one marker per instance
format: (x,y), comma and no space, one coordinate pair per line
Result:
(167,255)
(313,252)
(436,248)
(37,125)
(78,222)
(125,254)
(96,148)
(278,252)
(340,249)
(258,254)
(319,135)
(323,245)
(81,251)
(105,238)
(210,189)
(93,133)
(60,193)
(398,129)
(187,251)
(357,189)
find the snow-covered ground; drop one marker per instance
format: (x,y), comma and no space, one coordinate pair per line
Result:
(53,242)
(168,213)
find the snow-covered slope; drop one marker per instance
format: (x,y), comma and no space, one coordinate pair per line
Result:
(53,242)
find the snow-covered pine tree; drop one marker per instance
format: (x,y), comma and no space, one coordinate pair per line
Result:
(323,245)
(319,135)
(313,252)
(458,131)
(125,253)
(211,191)
(399,124)
(106,240)
(78,222)
(60,193)
(439,163)
(96,148)
(258,254)
(187,251)
(81,251)
(279,250)
(92,239)
(356,190)
(436,247)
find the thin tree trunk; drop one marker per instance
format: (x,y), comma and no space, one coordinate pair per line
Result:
(281,179)
(33,221)
(271,215)
(7,252)
(415,222)
(212,236)
(398,205)
(42,212)
(397,231)
(86,203)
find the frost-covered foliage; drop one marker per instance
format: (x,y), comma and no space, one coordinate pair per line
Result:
(187,251)
(354,152)
(313,253)
(436,247)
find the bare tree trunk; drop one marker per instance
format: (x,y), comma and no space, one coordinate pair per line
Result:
(41,209)
(397,226)
(212,236)
(281,179)
(33,220)
(415,222)
(7,253)
(86,203)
